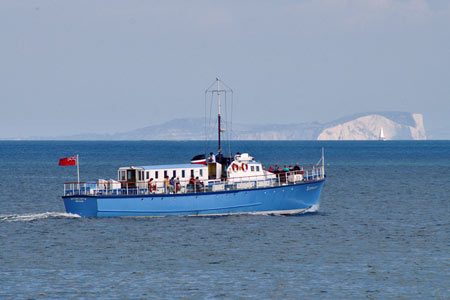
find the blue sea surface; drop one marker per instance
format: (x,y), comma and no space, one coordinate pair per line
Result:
(382,231)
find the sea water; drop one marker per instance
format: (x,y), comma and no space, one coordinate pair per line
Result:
(382,231)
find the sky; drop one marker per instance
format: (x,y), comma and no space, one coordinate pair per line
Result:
(70,67)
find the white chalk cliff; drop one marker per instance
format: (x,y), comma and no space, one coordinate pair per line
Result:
(368,128)
(362,126)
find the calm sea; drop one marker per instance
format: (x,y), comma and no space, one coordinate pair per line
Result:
(382,231)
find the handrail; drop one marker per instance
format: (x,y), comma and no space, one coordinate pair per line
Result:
(236,183)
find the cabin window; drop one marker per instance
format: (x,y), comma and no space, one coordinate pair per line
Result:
(201,172)
(192,173)
(174,173)
(156,174)
(122,176)
(129,174)
(165,173)
(140,175)
(183,174)
(252,168)
(148,175)
(257,168)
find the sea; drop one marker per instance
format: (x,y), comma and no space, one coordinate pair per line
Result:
(382,230)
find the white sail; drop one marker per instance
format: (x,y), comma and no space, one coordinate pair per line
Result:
(381,137)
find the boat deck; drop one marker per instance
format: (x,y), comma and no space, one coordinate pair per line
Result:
(314,173)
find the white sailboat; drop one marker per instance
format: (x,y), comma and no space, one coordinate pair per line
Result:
(381,136)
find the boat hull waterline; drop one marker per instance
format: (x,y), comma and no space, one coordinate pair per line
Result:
(284,200)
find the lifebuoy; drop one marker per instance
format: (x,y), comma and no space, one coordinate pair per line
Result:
(234,167)
(244,167)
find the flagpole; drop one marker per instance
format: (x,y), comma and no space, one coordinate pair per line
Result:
(78,170)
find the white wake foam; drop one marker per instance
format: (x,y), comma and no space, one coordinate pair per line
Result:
(39,216)
(313,209)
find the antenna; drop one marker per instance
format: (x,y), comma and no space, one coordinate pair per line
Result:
(220,88)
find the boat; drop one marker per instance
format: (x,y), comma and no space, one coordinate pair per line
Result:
(220,185)
(381,137)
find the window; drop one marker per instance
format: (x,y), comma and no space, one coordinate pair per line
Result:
(148,175)
(156,174)
(183,174)
(122,176)
(192,173)
(165,173)
(252,168)
(257,168)
(174,173)
(201,172)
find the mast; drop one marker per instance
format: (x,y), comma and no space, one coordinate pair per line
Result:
(218,115)
(220,89)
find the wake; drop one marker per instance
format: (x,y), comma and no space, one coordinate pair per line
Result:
(39,216)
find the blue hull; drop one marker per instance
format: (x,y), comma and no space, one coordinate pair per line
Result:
(287,199)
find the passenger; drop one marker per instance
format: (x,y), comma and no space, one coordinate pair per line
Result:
(270,169)
(285,169)
(291,168)
(297,167)
(177,184)
(172,186)
(198,184)
(166,185)
(277,168)
(219,158)
(150,185)
(191,183)
(212,157)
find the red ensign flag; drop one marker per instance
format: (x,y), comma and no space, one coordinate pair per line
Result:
(68,161)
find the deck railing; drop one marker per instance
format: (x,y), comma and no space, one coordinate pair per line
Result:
(310,174)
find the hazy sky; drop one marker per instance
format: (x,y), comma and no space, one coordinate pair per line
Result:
(70,67)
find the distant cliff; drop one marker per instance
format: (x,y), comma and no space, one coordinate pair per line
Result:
(396,126)
(366,126)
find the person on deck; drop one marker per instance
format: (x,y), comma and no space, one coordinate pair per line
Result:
(172,186)
(212,157)
(198,184)
(219,158)
(166,185)
(150,185)
(177,184)
(192,182)
(297,167)
(285,169)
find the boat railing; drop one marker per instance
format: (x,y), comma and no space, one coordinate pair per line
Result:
(306,174)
